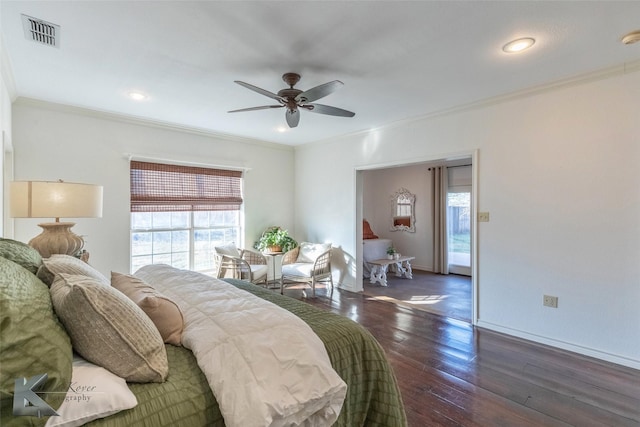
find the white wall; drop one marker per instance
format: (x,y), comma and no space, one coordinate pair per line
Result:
(6,162)
(558,172)
(5,144)
(53,142)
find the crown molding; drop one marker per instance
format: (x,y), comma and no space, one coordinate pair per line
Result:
(140,121)
(625,68)
(606,73)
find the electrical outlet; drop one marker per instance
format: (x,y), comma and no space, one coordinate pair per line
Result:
(483,216)
(550,301)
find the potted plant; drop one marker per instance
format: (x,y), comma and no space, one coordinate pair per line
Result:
(275,239)
(391,251)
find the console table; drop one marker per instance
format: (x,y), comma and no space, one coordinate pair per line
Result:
(380,266)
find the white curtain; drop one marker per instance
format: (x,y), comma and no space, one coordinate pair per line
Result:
(439,182)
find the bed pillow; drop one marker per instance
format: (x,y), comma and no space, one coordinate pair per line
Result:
(94,393)
(21,254)
(109,329)
(67,264)
(163,312)
(309,252)
(32,340)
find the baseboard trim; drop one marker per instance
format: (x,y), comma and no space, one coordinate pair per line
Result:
(585,351)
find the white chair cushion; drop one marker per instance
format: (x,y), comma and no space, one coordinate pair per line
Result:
(302,269)
(309,252)
(228,249)
(258,270)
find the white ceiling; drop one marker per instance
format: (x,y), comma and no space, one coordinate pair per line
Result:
(397,59)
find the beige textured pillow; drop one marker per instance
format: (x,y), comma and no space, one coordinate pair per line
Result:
(67,264)
(108,329)
(163,312)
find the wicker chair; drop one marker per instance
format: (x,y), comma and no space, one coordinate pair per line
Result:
(298,267)
(246,265)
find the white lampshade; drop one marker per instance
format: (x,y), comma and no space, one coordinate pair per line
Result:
(41,199)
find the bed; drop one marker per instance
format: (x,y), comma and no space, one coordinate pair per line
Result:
(184,397)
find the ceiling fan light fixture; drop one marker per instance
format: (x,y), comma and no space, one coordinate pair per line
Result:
(518,45)
(631,38)
(293,99)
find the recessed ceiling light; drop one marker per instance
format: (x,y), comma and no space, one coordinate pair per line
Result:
(518,45)
(631,38)
(137,96)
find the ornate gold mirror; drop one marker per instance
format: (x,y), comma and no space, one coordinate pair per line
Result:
(403,211)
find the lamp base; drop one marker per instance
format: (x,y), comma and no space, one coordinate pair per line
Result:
(57,238)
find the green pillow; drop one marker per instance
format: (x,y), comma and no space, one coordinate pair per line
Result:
(32,341)
(20,253)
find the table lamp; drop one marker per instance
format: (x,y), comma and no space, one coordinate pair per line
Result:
(43,199)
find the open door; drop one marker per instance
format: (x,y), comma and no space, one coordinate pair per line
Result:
(459,231)
(459,219)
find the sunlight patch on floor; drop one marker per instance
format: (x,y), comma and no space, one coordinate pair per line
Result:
(415,300)
(381,298)
(426,299)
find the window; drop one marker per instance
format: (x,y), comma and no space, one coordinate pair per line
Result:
(180,213)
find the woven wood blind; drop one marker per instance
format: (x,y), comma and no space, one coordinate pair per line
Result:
(157,187)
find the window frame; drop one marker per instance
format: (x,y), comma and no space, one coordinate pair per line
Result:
(170,187)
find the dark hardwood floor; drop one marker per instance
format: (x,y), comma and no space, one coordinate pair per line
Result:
(447,295)
(453,374)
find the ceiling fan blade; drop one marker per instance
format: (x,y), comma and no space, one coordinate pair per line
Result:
(332,111)
(293,117)
(259,90)
(319,91)
(264,107)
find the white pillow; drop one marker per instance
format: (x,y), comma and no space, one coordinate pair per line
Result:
(309,252)
(228,249)
(94,393)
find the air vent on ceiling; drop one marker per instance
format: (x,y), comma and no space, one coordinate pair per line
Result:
(41,31)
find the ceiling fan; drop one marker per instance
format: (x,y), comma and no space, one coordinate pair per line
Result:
(294,99)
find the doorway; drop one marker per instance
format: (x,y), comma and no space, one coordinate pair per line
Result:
(460,231)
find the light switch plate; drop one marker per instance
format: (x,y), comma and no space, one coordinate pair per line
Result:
(483,216)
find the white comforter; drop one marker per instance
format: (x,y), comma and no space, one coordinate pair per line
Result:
(265,366)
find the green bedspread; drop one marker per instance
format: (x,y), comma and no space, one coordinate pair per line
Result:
(184,400)
(373,397)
